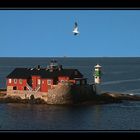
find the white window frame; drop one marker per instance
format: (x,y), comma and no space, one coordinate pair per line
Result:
(9,81)
(49,81)
(20,81)
(39,81)
(62,81)
(15,81)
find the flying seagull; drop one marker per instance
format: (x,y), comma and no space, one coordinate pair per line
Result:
(75,31)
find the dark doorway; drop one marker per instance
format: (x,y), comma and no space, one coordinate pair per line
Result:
(14,88)
(25,88)
(29,81)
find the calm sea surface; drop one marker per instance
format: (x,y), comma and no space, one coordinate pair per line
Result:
(119,75)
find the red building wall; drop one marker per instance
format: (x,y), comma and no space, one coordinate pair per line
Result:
(64,78)
(46,84)
(35,82)
(20,83)
(72,81)
(21,86)
(44,87)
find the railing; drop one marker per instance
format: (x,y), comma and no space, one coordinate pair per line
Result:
(37,88)
(30,89)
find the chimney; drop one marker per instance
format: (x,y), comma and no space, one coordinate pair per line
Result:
(60,67)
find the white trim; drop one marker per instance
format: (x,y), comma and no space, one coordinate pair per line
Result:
(9,81)
(49,81)
(15,81)
(39,81)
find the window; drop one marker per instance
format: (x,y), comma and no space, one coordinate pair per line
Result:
(39,81)
(62,81)
(15,81)
(78,82)
(49,82)
(20,81)
(83,82)
(10,80)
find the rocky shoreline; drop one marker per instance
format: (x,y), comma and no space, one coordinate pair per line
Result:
(105,98)
(9,99)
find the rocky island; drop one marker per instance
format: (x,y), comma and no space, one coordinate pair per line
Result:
(56,85)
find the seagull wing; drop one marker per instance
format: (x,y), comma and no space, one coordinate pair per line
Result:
(75,25)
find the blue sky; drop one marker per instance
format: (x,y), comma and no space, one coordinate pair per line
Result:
(48,33)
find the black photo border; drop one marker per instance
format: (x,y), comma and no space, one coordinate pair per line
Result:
(69,5)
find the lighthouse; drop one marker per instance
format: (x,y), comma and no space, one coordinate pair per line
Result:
(97,74)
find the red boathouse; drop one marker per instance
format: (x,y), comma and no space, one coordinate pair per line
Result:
(42,79)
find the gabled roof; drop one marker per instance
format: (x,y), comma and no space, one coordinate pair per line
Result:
(24,73)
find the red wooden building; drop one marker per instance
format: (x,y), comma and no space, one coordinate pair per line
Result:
(42,79)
